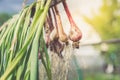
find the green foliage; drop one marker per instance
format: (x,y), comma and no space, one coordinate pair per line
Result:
(107,24)
(4,17)
(19,44)
(101,76)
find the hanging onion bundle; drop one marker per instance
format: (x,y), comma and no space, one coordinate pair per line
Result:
(22,41)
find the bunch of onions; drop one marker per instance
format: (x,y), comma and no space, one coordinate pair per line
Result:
(58,33)
(22,40)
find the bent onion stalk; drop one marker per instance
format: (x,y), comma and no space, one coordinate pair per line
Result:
(47,31)
(61,33)
(54,32)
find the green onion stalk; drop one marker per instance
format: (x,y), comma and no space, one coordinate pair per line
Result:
(19,44)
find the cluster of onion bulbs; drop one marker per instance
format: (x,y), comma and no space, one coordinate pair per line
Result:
(55,35)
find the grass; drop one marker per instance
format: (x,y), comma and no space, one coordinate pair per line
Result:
(102,76)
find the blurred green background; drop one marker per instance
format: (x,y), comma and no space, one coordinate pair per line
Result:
(4,17)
